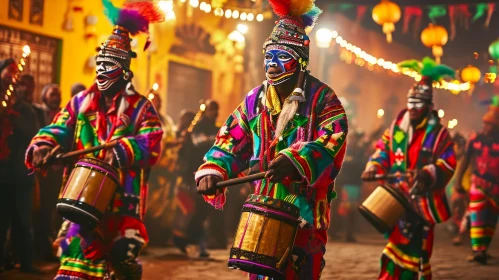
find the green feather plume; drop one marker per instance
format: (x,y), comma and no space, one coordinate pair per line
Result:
(428,68)
(411,64)
(112,13)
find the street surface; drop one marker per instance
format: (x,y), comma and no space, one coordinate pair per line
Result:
(343,261)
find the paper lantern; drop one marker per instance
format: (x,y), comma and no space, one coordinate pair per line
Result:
(471,74)
(494,50)
(435,36)
(387,14)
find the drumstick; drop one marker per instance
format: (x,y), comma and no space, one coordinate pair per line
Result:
(237,181)
(87,151)
(62,156)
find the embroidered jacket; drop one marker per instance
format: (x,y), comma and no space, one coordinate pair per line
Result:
(428,147)
(314,140)
(132,119)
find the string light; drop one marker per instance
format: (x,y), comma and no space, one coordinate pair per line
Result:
(441,113)
(381,113)
(8,92)
(361,57)
(219,12)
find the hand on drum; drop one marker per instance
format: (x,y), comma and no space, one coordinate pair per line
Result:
(41,155)
(281,169)
(370,174)
(424,180)
(208,185)
(109,157)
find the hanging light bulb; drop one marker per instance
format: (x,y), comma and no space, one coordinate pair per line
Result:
(235,14)
(207,8)
(202,6)
(244,16)
(194,3)
(228,13)
(251,17)
(219,12)
(259,17)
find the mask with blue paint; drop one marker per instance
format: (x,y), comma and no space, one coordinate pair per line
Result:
(280,65)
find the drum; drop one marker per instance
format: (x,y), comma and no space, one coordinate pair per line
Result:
(265,236)
(88,192)
(384,207)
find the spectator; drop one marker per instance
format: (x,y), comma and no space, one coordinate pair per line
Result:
(77,88)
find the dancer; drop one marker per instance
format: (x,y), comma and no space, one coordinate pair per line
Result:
(295,128)
(417,142)
(482,152)
(109,110)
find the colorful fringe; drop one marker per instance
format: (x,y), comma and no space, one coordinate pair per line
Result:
(484,213)
(408,253)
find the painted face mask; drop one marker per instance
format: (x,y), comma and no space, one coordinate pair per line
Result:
(109,71)
(417,108)
(280,66)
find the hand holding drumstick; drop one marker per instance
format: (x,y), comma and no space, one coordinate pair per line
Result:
(45,155)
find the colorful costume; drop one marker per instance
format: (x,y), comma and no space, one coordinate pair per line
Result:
(484,193)
(83,123)
(427,147)
(314,139)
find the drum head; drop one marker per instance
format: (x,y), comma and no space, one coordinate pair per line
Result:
(277,204)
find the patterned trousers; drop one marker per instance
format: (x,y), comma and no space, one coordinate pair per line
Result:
(408,252)
(108,252)
(484,211)
(307,259)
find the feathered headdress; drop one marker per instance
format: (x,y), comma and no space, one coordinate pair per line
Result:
(289,32)
(132,19)
(430,71)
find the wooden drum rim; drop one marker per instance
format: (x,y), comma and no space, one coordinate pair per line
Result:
(99,166)
(270,203)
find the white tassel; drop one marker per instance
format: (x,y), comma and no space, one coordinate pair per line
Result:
(287,114)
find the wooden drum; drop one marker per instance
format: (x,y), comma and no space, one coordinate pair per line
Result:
(384,207)
(265,236)
(88,192)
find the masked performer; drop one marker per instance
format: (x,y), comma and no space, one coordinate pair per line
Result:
(294,127)
(482,152)
(416,141)
(109,110)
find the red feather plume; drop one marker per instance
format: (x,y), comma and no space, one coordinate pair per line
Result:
(148,10)
(280,7)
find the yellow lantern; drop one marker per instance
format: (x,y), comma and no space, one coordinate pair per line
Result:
(435,36)
(470,74)
(387,14)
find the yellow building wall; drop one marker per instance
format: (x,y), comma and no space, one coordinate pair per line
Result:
(77,50)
